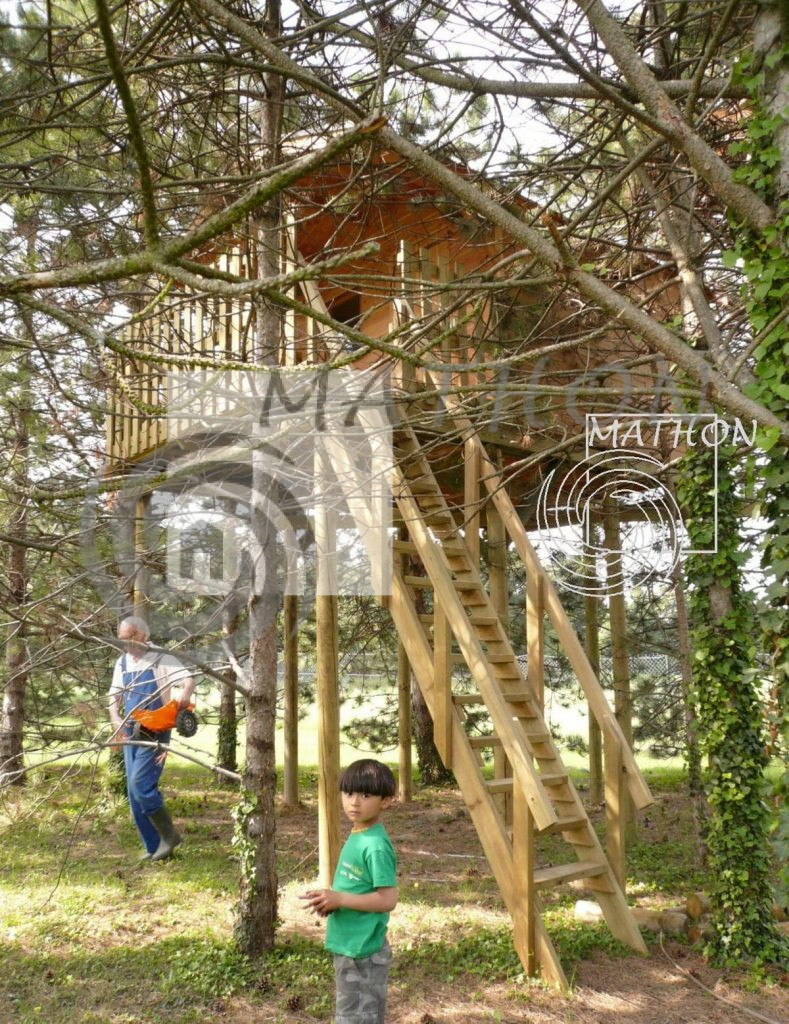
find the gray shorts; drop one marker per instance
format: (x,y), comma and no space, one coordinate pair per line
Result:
(361,987)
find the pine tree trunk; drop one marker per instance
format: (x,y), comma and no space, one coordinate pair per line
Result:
(255,821)
(227,740)
(431,768)
(12,770)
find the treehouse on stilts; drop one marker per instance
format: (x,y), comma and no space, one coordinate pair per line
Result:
(433,291)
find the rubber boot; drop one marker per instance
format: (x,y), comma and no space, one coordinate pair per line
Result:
(163,824)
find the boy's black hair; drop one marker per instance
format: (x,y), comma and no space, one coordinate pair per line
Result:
(369,777)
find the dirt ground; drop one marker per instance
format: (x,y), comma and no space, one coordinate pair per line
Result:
(439,853)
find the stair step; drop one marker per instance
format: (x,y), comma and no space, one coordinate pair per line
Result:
(467,698)
(405,547)
(553,778)
(558,874)
(485,619)
(518,697)
(480,742)
(418,581)
(567,823)
(466,585)
(538,738)
(499,785)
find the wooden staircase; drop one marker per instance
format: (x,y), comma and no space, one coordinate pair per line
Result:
(537,796)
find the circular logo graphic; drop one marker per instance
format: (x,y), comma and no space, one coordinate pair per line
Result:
(567,509)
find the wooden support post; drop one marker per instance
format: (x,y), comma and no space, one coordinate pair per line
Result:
(405,784)
(535,637)
(497,564)
(592,646)
(142,576)
(471,469)
(328,706)
(442,683)
(124,514)
(523,862)
(620,662)
(615,826)
(327,689)
(290,714)
(498,577)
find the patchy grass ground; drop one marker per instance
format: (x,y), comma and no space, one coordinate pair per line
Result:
(86,937)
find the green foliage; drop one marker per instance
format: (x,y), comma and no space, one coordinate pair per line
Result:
(243,843)
(208,969)
(116,773)
(764,263)
(489,952)
(728,711)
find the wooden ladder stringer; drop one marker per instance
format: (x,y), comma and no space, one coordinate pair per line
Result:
(485,814)
(516,716)
(492,478)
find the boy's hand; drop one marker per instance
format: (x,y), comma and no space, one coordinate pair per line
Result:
(322,901)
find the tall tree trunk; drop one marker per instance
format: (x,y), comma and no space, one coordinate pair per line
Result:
(16,659)
(227,739)
(432,771)
(431,768)
(255,820)
(692,749)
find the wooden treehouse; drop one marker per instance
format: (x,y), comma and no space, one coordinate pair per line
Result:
(449,294)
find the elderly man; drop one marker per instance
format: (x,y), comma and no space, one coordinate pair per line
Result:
(145,679)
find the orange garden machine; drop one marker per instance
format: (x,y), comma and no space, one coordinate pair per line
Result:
(184,721)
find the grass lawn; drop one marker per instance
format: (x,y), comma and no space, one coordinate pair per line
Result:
(86,937)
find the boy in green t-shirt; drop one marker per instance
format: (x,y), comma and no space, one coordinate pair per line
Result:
(362,894)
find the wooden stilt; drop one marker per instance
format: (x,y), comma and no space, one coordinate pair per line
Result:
(471,516)
(592,646)
(442,683)
(328,706)
(327,689)
(523,861)
(405,784)
(142,575)
(615,841)
(498,578)
(535,637)
(620,661)
(290,790)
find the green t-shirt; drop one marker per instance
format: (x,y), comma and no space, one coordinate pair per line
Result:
(367,862)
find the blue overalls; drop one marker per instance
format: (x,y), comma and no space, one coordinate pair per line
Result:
(142,772)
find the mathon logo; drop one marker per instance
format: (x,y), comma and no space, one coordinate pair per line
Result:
(624,469)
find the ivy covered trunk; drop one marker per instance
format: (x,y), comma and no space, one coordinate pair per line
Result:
(729,716)
(764,262)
